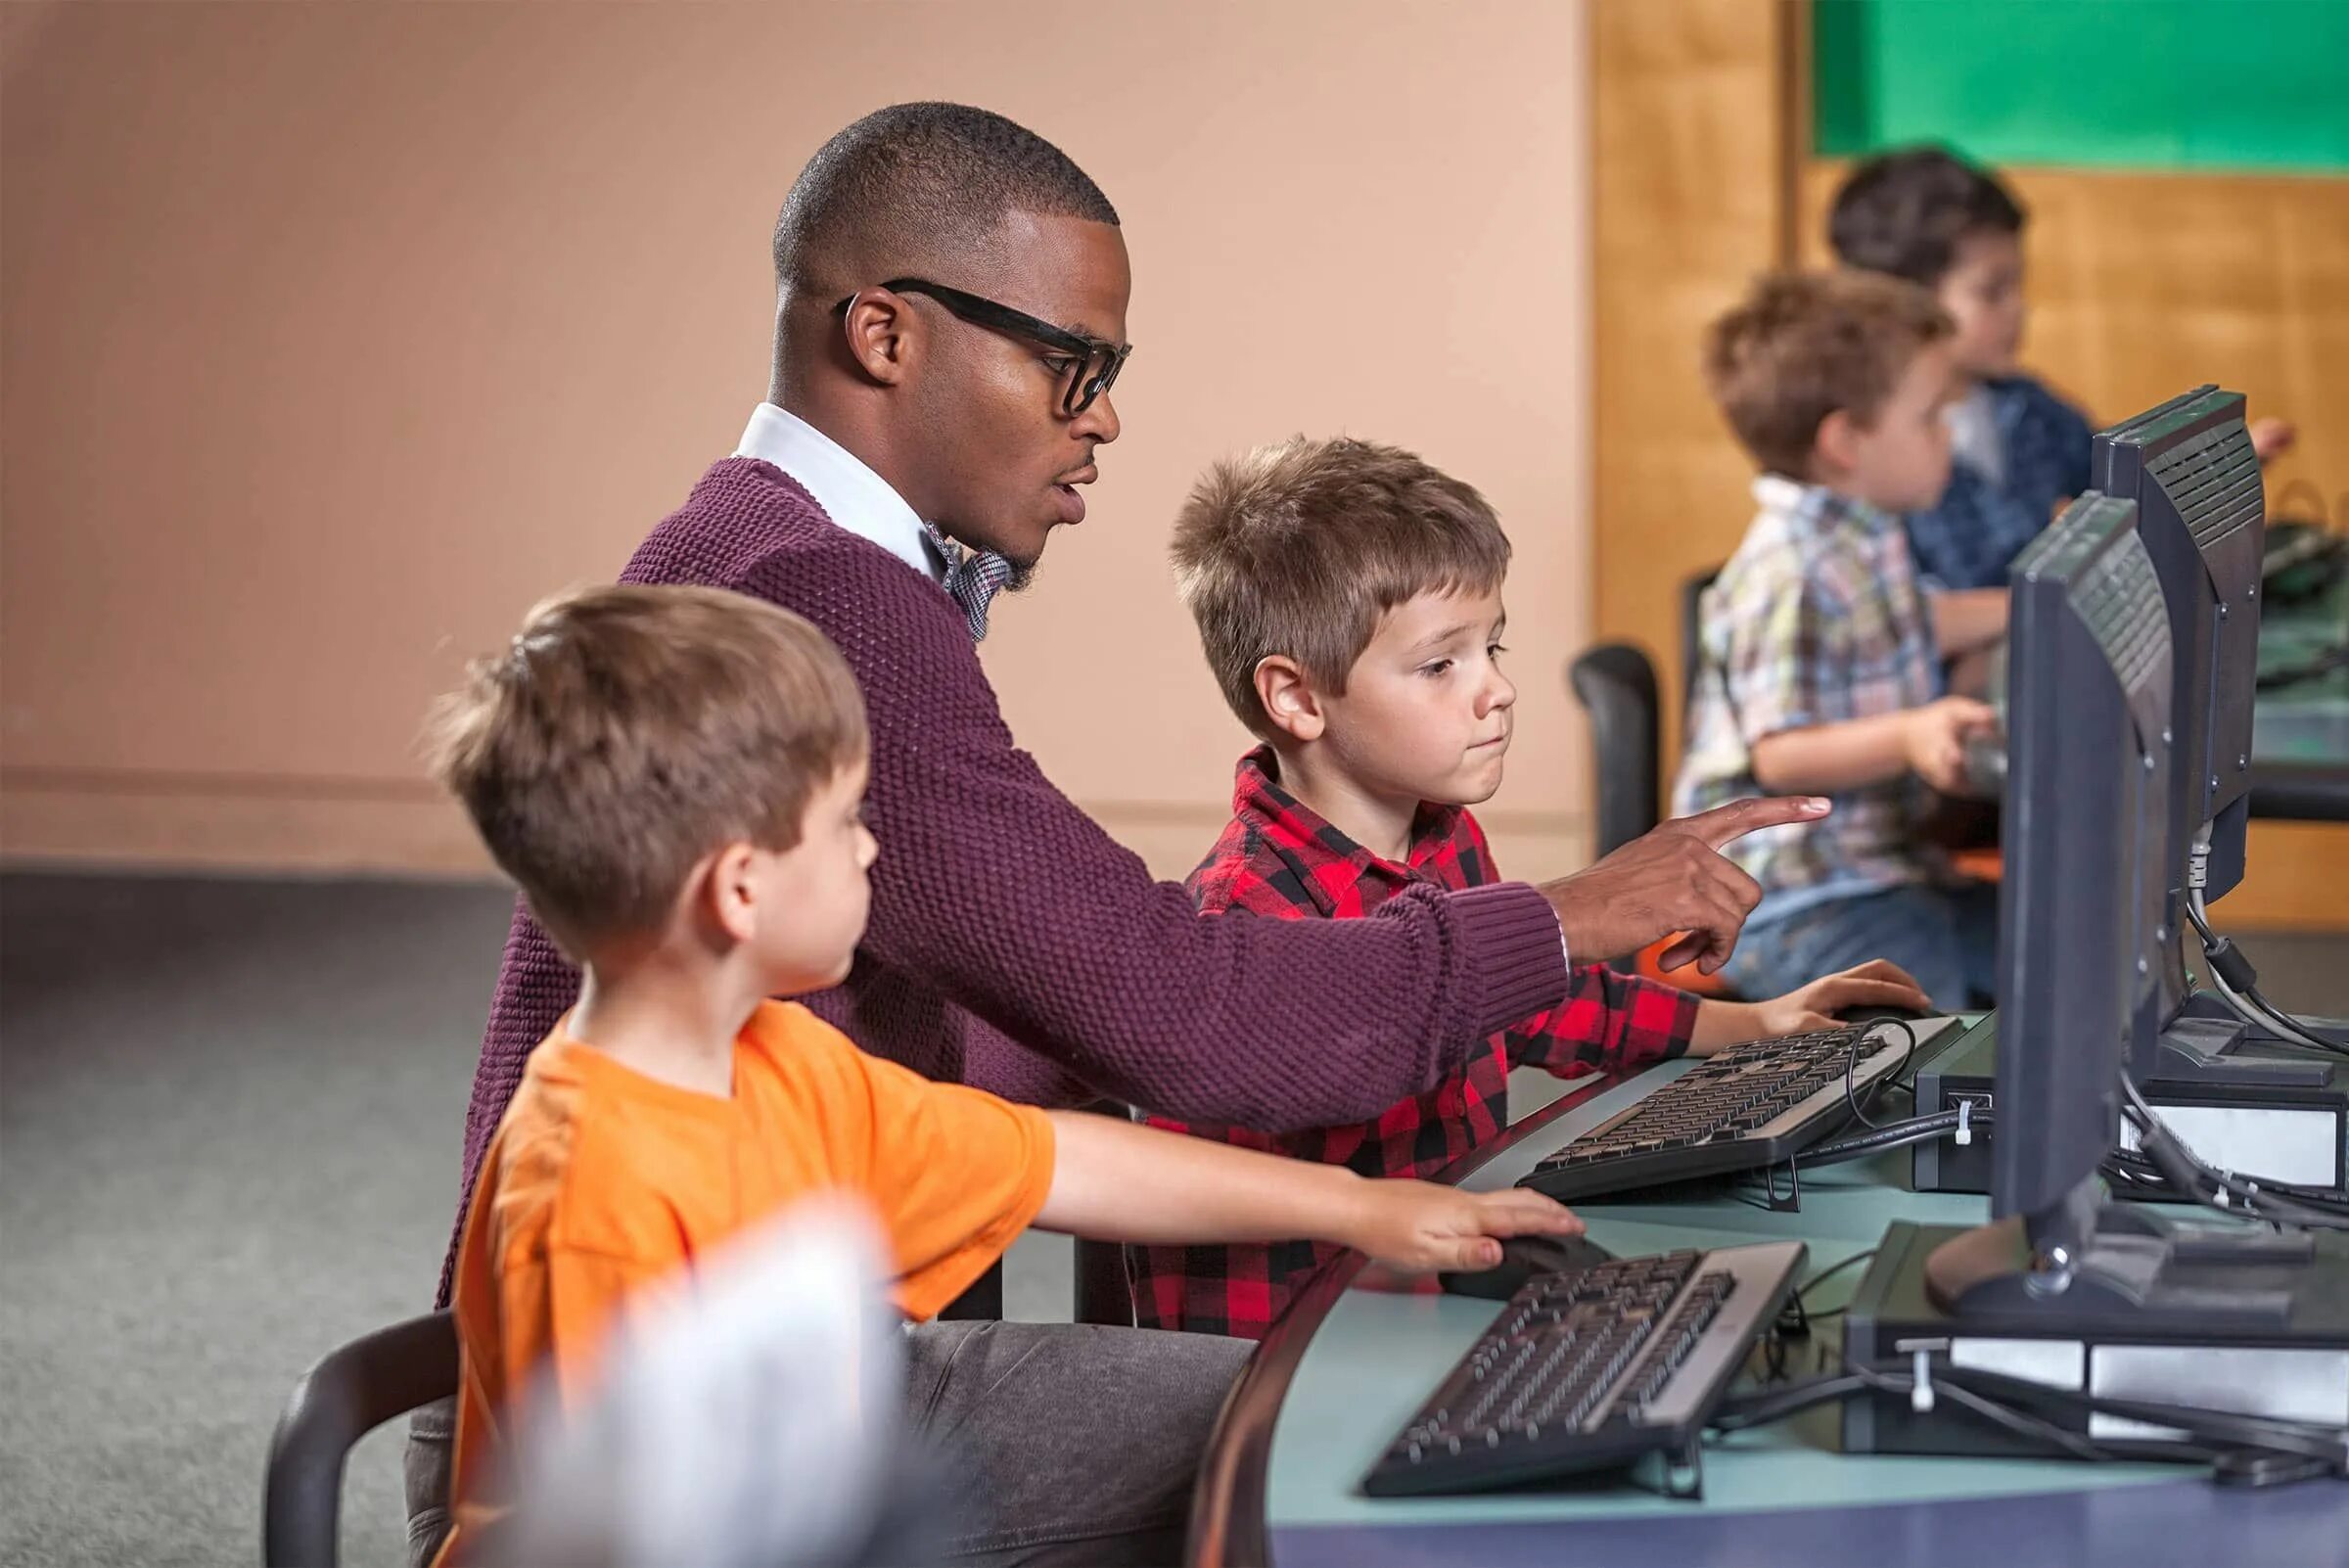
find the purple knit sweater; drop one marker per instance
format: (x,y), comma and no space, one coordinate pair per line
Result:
(1015,945)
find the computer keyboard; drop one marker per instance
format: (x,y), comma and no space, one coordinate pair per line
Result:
(1750,1107)
(1591,1369)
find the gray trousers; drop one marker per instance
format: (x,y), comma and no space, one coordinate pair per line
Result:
(1065,1443)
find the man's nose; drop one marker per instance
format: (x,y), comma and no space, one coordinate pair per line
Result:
(1098,423)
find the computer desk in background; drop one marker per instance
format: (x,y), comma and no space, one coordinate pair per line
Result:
(1345,1369)
(2300,733)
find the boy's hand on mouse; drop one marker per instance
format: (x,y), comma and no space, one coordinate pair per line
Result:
(1878,983)
(1936,735)
(1420,1225)
(2272,438)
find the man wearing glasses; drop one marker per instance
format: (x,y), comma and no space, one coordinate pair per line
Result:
(950,318)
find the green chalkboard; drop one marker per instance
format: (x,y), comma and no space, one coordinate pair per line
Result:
(2250,84)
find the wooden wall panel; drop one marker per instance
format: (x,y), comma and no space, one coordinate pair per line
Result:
(1691,104)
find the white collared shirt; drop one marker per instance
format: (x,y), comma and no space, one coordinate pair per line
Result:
(851,494)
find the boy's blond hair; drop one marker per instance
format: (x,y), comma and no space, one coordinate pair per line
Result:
(630,730)
(1298,548)
(1804,345)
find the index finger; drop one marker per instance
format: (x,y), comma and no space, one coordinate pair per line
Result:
(1724,824)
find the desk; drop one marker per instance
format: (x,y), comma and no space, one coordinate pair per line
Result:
(2300,733)
(1344,1368)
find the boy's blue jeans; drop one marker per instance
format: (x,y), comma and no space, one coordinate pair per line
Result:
(1948,937)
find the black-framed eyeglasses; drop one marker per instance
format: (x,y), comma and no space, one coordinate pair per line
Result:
(1094,364)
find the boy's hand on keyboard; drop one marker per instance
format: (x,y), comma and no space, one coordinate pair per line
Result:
(1673,879)
(1936,735)
(1878,983)
(1422,1226)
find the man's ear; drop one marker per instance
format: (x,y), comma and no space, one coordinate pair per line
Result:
(724,894)
(1287,696)
(883,335)
(1835,449)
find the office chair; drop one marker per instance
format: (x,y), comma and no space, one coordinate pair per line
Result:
(1102,1294)
(1693,630)
(982,1302)
(1616,684)
(348,1394)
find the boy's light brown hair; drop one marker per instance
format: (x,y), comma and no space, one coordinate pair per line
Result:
(630,730)
(1804,345)
(1298,548)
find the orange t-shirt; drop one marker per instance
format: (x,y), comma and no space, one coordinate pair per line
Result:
(602,1180)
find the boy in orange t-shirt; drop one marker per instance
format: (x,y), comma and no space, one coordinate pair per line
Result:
(674,777)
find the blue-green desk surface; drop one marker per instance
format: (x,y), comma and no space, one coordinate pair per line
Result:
(2300,733)
(1783,1494)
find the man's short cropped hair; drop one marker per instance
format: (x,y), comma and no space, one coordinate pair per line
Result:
(1298,548)
(911,185)
(1804,345)
(630,730)
(1904,212)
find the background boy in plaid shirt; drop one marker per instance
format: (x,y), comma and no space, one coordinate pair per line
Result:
(1822,659)
(1349,597)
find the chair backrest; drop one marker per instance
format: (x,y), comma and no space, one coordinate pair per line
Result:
(350,1393)
(1616,684)
(1693,630)
(1102,1293)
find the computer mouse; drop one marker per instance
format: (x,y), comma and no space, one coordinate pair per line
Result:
(1877,1015)
(1521,1259)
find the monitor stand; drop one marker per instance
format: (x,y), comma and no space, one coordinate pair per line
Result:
(2260,1335)
(2202,1044)
(2107,1266)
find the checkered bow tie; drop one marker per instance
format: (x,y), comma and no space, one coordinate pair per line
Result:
(973,577)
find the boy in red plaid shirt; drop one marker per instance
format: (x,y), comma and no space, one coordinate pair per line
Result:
(1349,597)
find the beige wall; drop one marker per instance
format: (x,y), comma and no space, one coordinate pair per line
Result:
(335,334)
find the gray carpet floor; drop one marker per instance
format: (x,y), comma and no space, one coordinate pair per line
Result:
(230,1116)
(230,1119)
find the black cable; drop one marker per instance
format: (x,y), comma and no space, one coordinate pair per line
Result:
(1799,1304)
(2232,1195)
(1765,1406)
(1953,1389)
(1831,1271)
(1892,1135)
(2218,1429)
(2238,982)
(2307,1036)
(1776,1405)
(1851,1062)
(2238,1447)
(2126,1165)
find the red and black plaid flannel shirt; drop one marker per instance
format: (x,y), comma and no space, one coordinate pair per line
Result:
(1279,858)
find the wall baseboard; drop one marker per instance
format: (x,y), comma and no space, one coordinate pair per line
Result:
(232,828)
(237,833)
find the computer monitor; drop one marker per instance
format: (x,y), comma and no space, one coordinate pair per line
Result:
(2081,925)
(2202,515)
(2081,918)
